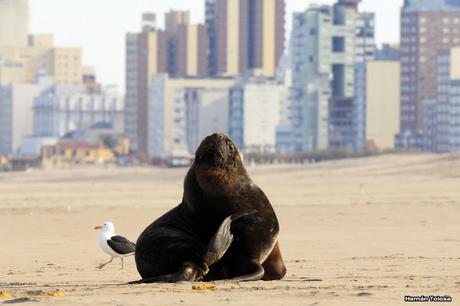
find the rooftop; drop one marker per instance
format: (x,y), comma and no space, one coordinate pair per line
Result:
(73,145)
(431,5)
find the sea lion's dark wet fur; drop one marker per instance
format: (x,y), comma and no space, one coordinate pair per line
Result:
(174,247)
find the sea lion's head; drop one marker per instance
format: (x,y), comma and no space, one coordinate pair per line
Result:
(218,150)
(218,160)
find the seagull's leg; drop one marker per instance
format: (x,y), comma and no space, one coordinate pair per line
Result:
(121,263)
(104,264)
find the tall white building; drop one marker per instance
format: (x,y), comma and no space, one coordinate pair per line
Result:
(14,23)
(255,113)
(326,42)
(376,104)
(181,111)
(377,107)
(206,113)
(16,113)
(60,109)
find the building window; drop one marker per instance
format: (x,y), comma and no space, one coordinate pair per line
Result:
(338,44)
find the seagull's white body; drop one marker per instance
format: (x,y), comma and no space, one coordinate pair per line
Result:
(106,234)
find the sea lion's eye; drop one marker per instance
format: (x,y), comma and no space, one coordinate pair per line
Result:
(230,148)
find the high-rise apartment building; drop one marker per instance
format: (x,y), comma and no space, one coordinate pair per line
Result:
(24,56)
(326,42)
(41,57)
(175,107)
(187,45)
(206,113)
(245,35)
(376,104)
(14,23)
(179,50)
(426,27)
(441,115)
(365,37)
(146,56)
(16,113)
(190,57)
(174,19)
(255,113)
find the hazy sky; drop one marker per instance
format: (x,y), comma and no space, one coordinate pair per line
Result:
(99,26)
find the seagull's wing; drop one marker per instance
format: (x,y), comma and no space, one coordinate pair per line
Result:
(121,245)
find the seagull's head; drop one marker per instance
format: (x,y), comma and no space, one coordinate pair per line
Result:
(106,227)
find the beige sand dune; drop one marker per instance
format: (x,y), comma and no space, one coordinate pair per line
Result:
(354,232)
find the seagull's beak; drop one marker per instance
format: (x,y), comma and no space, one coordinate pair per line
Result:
(97,227)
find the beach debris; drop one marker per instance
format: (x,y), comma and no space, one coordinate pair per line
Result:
(56,293)
(5,295)
(205,287)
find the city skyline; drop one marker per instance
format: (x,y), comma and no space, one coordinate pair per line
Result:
(111,29)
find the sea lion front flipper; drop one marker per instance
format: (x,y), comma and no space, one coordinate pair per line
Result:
(223,238)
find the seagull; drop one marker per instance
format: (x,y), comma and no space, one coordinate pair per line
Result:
(114,245)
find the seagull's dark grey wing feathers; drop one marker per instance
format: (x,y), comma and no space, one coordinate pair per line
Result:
(121,245)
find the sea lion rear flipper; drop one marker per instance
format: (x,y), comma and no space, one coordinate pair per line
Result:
(188,272)
(223,238)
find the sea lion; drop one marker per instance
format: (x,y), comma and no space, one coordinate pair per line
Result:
(225,227)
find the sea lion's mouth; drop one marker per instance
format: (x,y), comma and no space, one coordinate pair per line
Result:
(212,156)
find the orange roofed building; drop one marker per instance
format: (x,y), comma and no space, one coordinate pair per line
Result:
(78,152)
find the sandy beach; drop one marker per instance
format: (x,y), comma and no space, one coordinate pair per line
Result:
(353,232)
